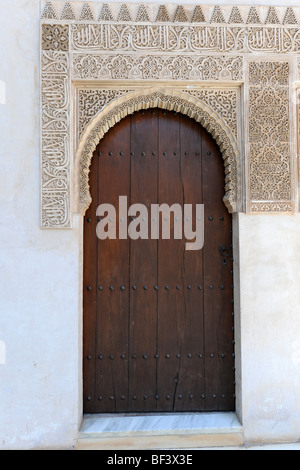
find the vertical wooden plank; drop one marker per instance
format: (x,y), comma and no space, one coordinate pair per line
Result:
(191,379)
(171,301)
(113,277)
(90,292)
(143,266)
(218,293)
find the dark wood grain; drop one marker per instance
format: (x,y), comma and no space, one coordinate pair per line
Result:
(158,319)
(113,276)
(143,266)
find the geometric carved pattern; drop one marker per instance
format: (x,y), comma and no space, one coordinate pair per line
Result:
(55,37)
(68,12)
(235,16)
(162,13)
(272,17)
(157,67)
(49,12)
(207,48)
(217,16)
(86,13)
(289,17)
(253,16)
(221,102)
(91,101)
(269,136)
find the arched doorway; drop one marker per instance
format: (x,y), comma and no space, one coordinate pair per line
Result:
(158,323)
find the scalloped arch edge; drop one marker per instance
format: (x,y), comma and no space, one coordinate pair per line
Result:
(171,100)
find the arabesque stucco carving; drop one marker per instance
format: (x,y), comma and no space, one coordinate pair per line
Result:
(100,62)
(169,99)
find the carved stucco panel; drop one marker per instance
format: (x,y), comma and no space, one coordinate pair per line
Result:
(84,43)
(270,179)
(157,67)
(222,101)
(159,38)
(55,136)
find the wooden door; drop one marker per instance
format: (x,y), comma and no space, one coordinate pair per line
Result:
(158,319)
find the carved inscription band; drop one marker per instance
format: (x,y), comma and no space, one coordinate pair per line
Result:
(55,137)
(269,136)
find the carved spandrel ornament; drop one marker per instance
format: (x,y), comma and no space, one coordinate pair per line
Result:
(172,100)
(91,100)
(93,41)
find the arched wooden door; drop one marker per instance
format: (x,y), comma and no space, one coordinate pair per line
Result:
(158,321)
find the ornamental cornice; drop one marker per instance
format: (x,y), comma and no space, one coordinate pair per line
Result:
(176,14)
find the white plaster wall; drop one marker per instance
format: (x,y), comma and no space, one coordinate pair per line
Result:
(40,273)
(39,376)
(270,327)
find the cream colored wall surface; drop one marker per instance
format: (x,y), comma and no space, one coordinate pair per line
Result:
(38,269)
(270,328)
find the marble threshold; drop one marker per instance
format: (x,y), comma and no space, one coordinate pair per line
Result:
(159,431)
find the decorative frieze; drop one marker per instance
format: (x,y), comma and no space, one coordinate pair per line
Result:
(202,38)
(205,53)
(157,67)
(271,207)
(156,13)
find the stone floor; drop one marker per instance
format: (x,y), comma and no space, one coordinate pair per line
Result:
(288,447)
(186,431)
(158,423)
